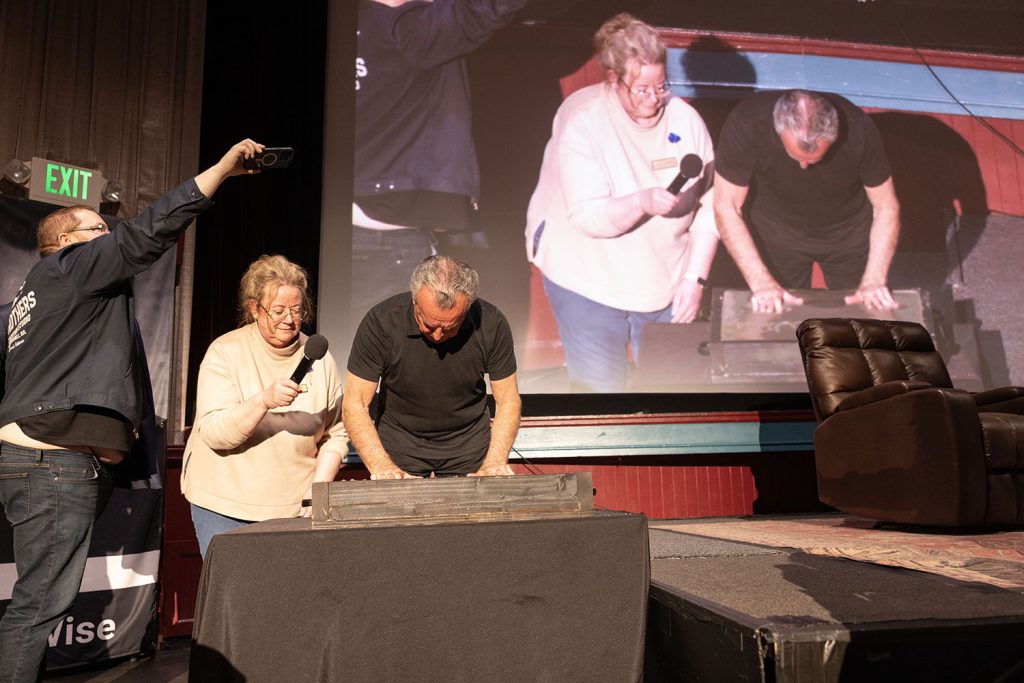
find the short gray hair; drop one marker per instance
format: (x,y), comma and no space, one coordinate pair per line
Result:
(808,117)
(448,277)
(624,44)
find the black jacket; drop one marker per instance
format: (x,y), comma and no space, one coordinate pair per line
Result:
(72,335)
(412,94)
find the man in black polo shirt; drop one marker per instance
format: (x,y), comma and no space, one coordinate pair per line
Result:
(802,177)
(430,348)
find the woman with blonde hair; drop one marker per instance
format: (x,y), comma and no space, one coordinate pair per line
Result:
(616,249)
(260,440)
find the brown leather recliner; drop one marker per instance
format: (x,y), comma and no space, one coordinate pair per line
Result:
(896,442)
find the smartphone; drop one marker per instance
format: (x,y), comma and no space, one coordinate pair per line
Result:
(271,157)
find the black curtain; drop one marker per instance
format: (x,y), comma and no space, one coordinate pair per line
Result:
(263,79)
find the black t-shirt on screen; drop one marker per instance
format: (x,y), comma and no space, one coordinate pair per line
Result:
(820,207)
(433,396)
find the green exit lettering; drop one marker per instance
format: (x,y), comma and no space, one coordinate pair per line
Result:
(70,180)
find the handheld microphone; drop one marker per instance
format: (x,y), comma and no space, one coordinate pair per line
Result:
(689,167)
(315,349)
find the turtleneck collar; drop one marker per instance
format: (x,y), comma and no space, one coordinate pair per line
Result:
(273,351)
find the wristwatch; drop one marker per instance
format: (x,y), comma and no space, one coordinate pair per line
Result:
(696,278)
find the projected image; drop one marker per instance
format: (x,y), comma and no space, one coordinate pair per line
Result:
(621,223)
(416,176)
(622,268)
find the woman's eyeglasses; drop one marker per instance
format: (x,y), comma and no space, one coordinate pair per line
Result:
(644,91)
(276,315)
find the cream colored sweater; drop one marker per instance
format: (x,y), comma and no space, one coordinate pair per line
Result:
(597,153)
(266,474)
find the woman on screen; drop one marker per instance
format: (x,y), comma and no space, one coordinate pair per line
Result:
(617,250)
(260,440)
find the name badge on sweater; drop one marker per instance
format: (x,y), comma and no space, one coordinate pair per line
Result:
(660,164)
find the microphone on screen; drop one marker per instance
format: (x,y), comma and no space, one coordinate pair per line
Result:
(314,350)
(689,167)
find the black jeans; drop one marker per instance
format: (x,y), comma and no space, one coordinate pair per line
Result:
(842,268)
(445,467)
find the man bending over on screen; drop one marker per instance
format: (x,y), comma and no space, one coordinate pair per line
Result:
(802,177)
(430,349)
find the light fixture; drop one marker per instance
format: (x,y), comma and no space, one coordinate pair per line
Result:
(14,179)
(111,197)
(18,172)
(113,192)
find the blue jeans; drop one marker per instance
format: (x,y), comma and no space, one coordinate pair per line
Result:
(382,262)
(51,499)
(595,338)
(209,523)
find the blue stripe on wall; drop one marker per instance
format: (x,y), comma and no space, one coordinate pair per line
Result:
(663,439)
(867,83)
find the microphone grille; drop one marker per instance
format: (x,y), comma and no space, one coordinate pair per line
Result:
(691,166)
(316,347)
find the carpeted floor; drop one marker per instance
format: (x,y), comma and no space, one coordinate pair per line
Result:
(995,558)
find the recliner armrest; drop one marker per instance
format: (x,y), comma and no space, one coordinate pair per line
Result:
(916,458)
(984,398)
(880,393)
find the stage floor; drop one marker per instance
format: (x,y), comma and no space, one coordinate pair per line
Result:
(812,586)
(832,597)
(168,665)
(995,558)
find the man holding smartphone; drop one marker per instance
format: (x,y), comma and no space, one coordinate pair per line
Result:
(74,388)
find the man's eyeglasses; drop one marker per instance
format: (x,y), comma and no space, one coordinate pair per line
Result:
(102,229)
(276,315)
(644,91)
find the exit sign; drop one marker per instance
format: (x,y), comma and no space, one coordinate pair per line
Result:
(59,183)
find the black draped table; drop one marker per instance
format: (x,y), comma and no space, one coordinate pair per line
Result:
(533,600)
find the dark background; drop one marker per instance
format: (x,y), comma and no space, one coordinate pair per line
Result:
(263,78)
